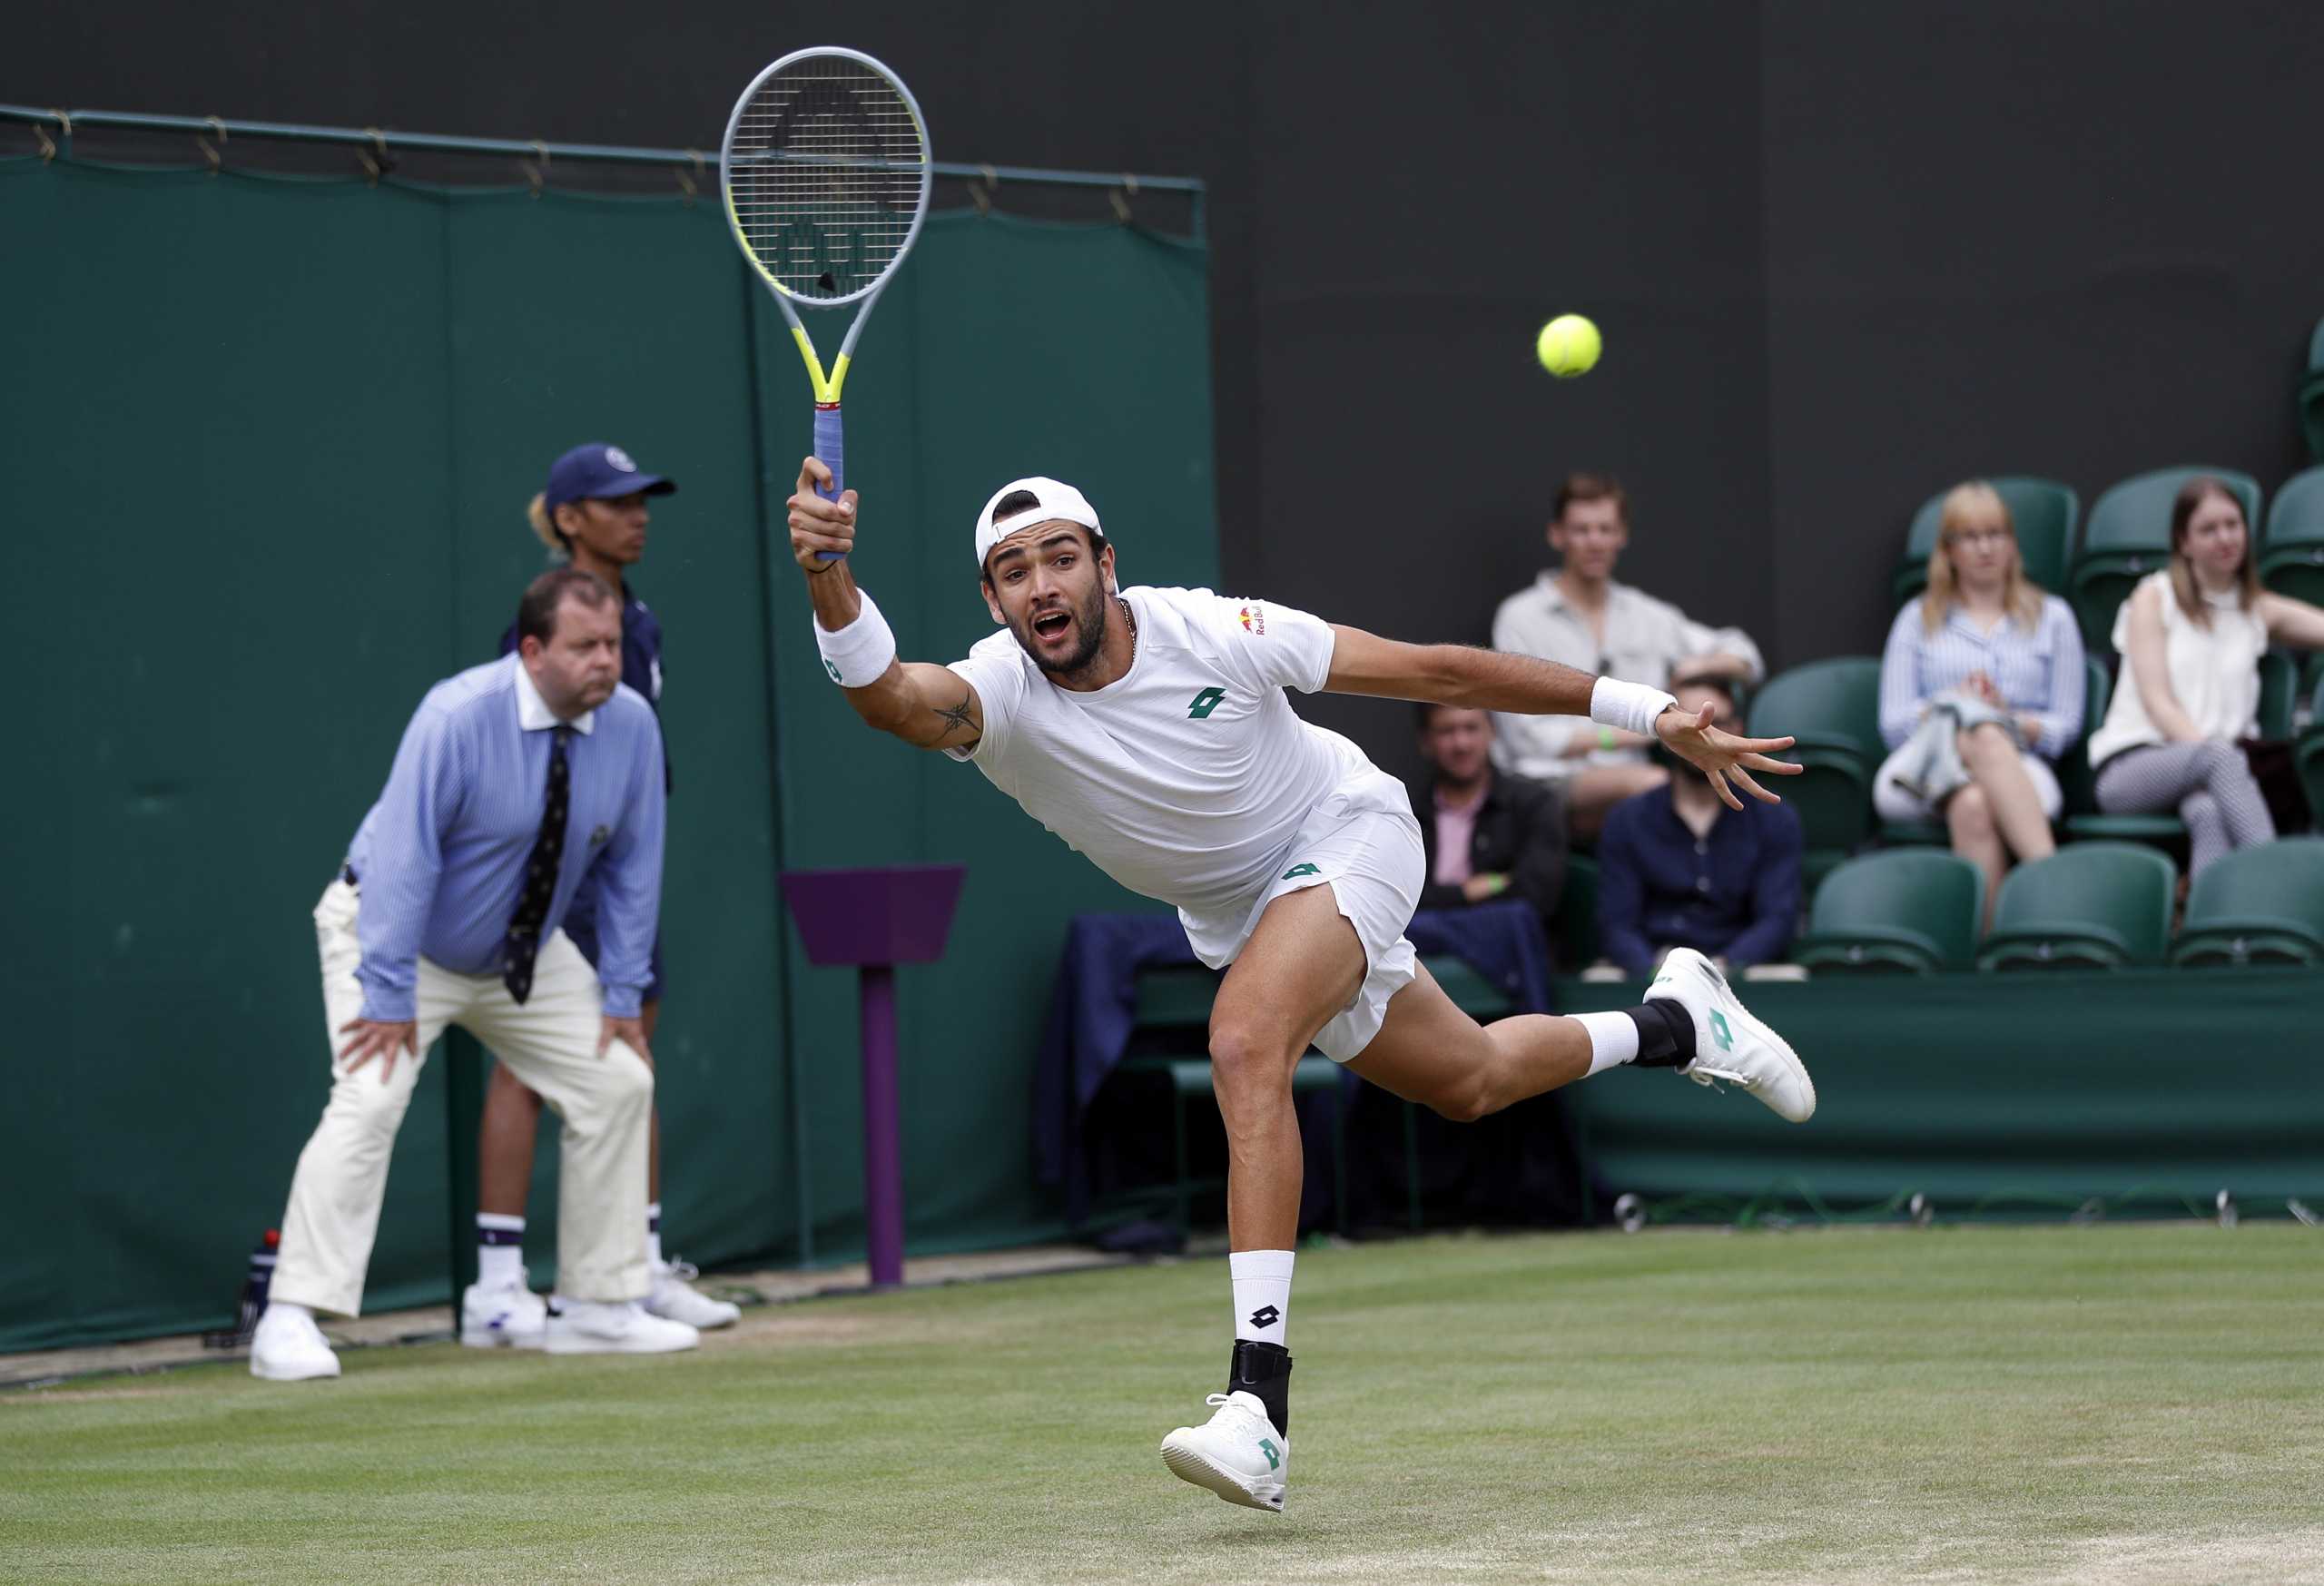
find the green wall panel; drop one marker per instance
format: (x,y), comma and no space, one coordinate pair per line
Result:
(270,444)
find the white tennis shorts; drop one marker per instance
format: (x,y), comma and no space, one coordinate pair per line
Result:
(1363,843)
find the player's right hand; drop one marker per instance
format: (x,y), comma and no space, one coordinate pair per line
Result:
(377,1038)
(819,527)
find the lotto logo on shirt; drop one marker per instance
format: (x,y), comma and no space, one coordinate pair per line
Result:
(1255,618)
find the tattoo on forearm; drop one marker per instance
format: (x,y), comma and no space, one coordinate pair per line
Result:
(958,716)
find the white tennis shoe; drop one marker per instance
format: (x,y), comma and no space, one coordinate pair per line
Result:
(286,1347)
(1237,1454)
(1729,1043)
(674,1297)
(618,1327)
(510,1317)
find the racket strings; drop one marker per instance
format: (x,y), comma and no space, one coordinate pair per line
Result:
(827,171)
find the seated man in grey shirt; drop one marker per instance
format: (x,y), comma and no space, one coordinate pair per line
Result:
(1577,615)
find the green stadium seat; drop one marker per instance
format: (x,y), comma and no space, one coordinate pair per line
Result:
(2128,536)
(2308,750)
(1576,919)
(2311,396)
(2291,555)
(2258,906)
(1910,912)
(2094,905)
(2074,774)
(2045,513)
(1815,865)
(1833,709)
(2278,690)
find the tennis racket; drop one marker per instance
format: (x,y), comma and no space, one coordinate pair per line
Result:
(826,172)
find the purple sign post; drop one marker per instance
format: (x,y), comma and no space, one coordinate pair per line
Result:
(876,919)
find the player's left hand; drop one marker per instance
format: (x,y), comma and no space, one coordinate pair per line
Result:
(630,1032)
(1725,760)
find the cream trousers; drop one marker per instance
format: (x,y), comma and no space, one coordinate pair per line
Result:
(550,1043)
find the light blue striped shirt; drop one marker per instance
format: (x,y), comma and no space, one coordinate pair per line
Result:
(2039,673)
(440,858)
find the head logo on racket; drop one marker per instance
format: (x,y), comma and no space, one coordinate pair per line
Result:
(826,169)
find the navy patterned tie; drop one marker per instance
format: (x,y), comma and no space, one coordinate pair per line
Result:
(522,945)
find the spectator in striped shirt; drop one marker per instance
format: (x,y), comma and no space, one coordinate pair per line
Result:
(1988,659)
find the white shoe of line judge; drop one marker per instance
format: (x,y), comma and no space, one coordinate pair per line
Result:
(619,1327)
(286,1347)
(675,1296)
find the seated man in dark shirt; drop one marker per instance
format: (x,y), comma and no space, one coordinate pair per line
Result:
(1677,868)
(1487,834)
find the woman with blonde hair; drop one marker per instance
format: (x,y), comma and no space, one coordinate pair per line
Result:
(1982,686)
(2191,636)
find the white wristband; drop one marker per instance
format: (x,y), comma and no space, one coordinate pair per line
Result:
(1631,706)
(859,655)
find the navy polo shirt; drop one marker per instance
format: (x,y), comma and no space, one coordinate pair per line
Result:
(1733,893)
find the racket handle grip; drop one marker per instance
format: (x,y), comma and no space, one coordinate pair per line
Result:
(830,446)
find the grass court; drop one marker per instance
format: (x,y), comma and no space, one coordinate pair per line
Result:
(2115,1404)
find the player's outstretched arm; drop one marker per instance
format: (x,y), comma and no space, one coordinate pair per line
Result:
(932,707)
(1461,674)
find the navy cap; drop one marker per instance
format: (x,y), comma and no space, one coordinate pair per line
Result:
(598,472)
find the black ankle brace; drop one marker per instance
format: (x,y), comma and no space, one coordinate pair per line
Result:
(1264,1370)
(1666,1034)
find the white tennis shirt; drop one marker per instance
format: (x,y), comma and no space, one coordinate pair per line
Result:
(1186,778)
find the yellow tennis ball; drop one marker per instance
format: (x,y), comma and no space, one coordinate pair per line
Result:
(1568,346)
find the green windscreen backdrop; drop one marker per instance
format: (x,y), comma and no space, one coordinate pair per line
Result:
(267,445)
(2007,1095)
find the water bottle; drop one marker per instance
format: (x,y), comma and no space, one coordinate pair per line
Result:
(260,1279)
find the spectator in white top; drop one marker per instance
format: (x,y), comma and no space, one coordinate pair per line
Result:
(2191,636)
(1577,616)
(1982,686)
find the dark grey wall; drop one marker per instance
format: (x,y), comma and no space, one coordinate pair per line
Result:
(1843,254)
(2079,240)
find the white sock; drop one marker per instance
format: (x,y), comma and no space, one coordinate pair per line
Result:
(289,1308)
(499,1250)
(1262,1280)
(1613,1040)
(653,1234)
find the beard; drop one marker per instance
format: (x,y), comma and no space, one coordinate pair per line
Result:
(1090,620)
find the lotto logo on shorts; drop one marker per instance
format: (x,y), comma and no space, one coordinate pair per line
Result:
(1297,871)
(1255,618)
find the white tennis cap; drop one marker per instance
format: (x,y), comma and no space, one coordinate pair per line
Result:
(1052,500)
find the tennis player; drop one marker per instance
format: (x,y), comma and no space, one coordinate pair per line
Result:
(1149,729)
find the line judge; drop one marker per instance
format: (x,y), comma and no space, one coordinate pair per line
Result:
(513,781)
